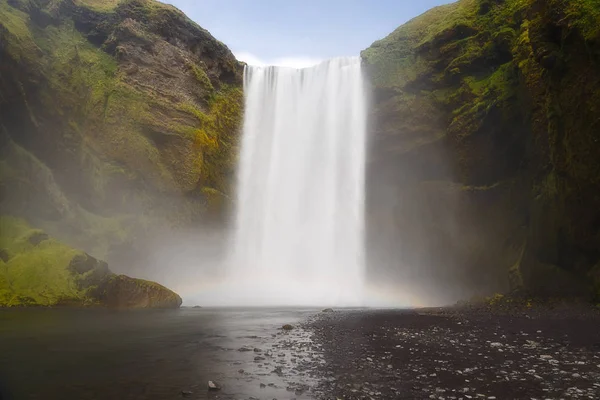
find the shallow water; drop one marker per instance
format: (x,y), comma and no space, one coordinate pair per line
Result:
(98,354)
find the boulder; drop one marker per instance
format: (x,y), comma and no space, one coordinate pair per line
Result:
(121,291)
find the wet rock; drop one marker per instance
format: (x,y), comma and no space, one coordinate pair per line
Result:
(123,292)
(262,385)
(287,327)
(213,386)
(257,350)
(259,358)
(37,238)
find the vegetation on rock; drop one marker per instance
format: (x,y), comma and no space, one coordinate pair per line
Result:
(38,270)
(121,291)
(117,118)
(488,111)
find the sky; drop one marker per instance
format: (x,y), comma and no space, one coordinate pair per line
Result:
(298,33)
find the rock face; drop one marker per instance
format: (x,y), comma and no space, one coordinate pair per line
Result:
(118,123)
(486,149)
(47,272)
(117,119)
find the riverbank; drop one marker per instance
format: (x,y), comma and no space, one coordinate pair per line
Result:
(455,353)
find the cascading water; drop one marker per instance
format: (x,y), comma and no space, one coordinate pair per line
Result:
(299,234)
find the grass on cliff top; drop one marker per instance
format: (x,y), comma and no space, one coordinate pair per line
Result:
(394,57)
(34,274)
(99,5)
(403,55)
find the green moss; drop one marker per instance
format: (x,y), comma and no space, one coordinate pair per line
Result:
(584,14)
(394,61)
(217,135)
(495,299)
(18,40)
(201,77)
(514,86)
(99,5)
(35,274)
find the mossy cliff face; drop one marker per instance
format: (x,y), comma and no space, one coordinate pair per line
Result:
(38,270)
(117,119)
(486,134)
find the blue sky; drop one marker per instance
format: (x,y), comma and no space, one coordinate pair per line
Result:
(300,33)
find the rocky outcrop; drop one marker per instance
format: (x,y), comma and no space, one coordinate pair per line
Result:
(485,148)
(38,270)
(118,121)
(121,291)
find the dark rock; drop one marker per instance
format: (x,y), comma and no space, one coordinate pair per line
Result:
(327,310)
(4,256)
(121,291)
(83,263)
(37,238)
(287,327)
(89,271)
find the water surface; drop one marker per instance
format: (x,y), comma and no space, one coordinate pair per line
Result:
(99,354)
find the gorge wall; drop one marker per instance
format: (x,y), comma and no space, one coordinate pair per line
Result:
(120,119)
(118,123)
(485,157)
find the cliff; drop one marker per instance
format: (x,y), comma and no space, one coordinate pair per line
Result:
(485,148)
(118,122)
(114,109)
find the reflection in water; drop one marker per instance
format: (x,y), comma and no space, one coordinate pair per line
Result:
(98,354)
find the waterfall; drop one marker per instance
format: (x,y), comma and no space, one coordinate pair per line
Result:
(299,226)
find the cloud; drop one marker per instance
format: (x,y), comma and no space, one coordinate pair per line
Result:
(291,62)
